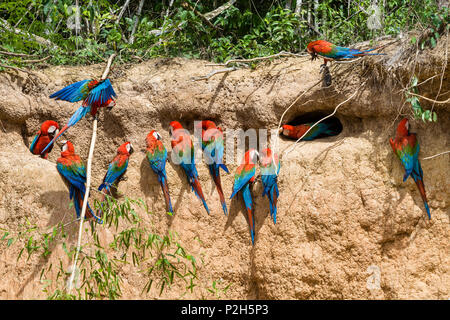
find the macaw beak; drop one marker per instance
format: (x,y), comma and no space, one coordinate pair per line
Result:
(131,149)
(280,130)
(61,144)
(111,105)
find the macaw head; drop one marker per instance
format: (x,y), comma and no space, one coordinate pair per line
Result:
(173,126)
(251,157)
(152,137)
(125,149)
(67,148)
(403,128)
(50,127)
(110,104)
(310,49)
(286,129)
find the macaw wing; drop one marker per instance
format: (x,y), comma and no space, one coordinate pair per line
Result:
(408,152)
(114,172)
(35,140)
(75,174)
(100,94)
(74,92)
(244,174)
(157,160)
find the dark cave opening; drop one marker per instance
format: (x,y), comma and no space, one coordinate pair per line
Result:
(329,127)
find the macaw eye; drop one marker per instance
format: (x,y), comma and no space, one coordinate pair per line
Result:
(407,125)
(156,135)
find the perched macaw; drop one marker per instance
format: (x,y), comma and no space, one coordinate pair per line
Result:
(183,148)
(406,147)
(331,52)
(213,148)
(117,167)
(95,94)
(295,132)
(72,168)
(157,157)
(48,130)
(270,168)
(244,176)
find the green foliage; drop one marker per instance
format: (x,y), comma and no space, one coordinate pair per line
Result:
(246,29)
(219,289)
(162,258)
(418,111)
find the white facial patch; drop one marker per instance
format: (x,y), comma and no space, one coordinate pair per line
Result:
(254,155)
(65,146)
(407,125)
(156,135)
(51,129)
(129,146)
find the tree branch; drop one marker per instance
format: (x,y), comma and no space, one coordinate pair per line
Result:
(45,42)
(209,75)
(14,54)
(279,54)
(136,21)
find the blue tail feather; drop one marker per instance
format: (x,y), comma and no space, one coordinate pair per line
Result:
(77,116)
(224,167)
(249,206)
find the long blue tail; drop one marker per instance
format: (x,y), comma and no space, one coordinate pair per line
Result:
(77,116)
(246,194)
(215,173)
(78,202)
(165,189)
(273,198)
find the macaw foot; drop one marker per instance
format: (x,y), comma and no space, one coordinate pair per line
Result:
(323,67)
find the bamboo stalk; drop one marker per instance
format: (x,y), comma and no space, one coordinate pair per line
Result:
(88,182)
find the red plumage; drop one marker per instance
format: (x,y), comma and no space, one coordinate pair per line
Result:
(48,130)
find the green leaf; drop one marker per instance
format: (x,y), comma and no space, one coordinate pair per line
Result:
(434,117)
(433,42)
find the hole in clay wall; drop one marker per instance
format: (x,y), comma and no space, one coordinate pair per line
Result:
(333,124)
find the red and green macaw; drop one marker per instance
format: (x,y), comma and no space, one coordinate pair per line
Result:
(244,176)
(48,130)
(117,167)
(183,148)
(157,157)
(406,147)
(213,148)
(295,132)
(72,169)
(331,52)
(270,168)
(95,94)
